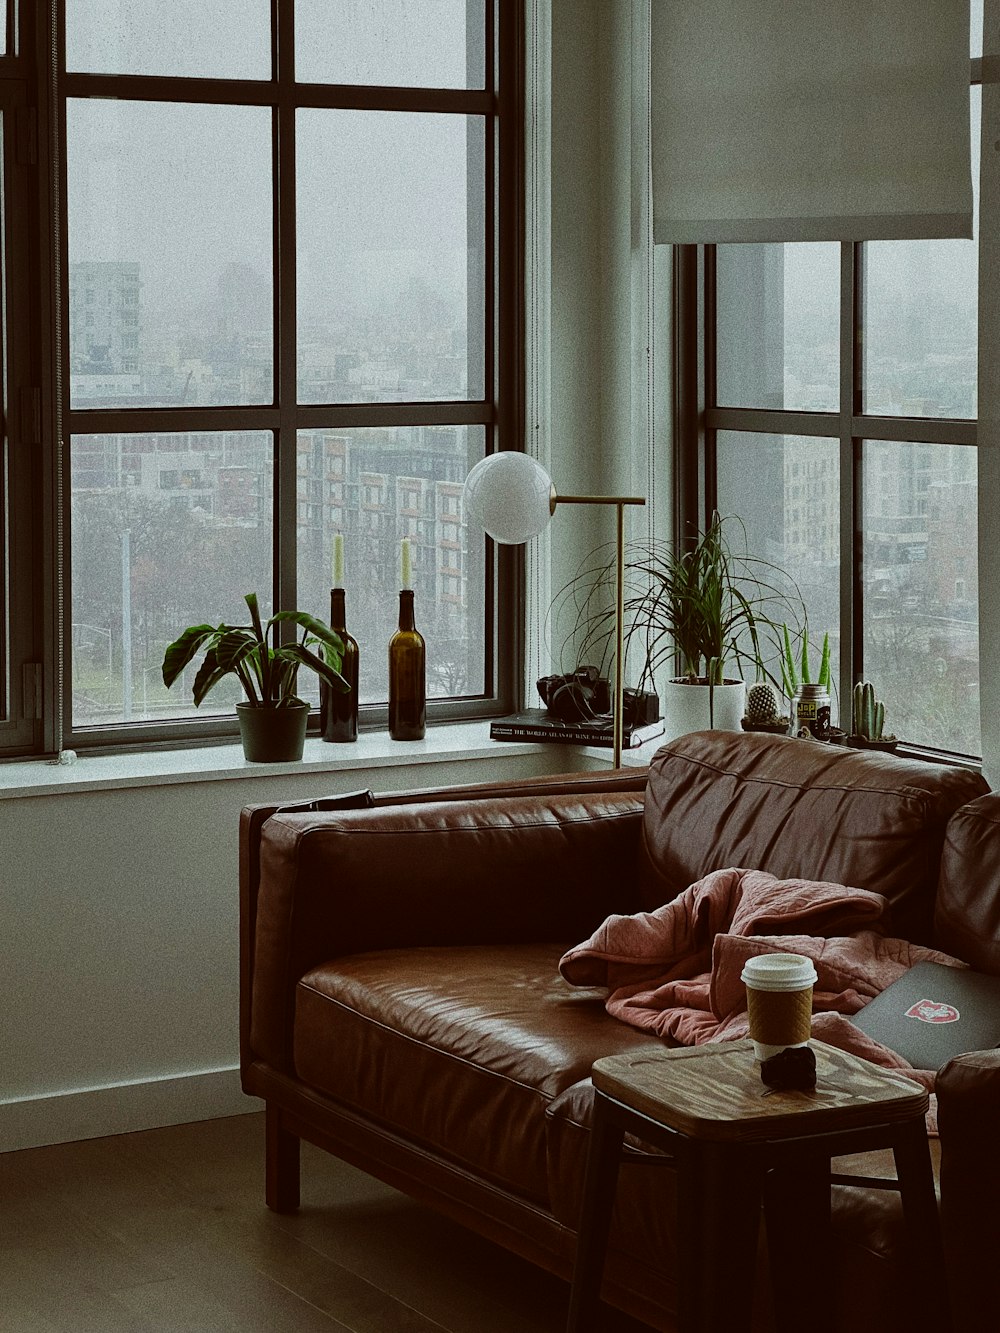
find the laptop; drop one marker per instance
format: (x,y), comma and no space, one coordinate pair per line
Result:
(934,1012)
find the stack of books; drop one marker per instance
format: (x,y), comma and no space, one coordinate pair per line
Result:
(535,724)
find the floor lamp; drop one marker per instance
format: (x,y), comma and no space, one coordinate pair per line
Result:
(512,497)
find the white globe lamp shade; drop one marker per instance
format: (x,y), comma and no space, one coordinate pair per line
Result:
(510,495)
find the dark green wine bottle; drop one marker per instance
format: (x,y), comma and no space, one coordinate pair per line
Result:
(338,711)
(407,676)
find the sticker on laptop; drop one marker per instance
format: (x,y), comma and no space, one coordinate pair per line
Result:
(933,1011)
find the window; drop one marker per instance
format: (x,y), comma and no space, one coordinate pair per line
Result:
(289,282)
(840,424)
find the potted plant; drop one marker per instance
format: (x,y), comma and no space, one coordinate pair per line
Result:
(718,609)
(763,713)
(272,718)
(809,716)
(868,721)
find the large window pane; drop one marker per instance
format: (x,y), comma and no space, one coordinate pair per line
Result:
(921,639)
(778,326)
(415,43)
(786,489)
(170,254)
(391,251)
(226,39)
(976,20)
(920,312)
(376,487)
(168,531)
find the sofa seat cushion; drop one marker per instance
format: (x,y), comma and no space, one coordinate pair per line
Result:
(460,1049)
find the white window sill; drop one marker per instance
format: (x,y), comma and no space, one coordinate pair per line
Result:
(217,763)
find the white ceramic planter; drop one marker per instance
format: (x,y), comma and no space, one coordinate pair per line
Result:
(686,707)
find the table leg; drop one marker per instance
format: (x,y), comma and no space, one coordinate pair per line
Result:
(923,1226)
(797,1208)
(716,1283)
(599,1186)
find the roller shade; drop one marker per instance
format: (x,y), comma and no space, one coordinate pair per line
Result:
(810,120)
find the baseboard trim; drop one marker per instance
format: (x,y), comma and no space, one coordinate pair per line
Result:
(121,1108)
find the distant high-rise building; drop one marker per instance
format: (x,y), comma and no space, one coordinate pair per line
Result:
(105,318)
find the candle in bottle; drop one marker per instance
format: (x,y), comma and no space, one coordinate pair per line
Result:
(405,564)
(338,560)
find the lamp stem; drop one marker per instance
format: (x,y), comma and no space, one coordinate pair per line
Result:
(619,715)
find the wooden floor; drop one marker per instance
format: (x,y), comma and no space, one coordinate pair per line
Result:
(166,1230)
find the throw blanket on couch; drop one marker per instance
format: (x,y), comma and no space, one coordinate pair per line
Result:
(676,971)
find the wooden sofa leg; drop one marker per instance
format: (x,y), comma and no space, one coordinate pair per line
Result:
(281,1172)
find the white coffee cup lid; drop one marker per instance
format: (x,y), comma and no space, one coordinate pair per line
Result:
(778,971)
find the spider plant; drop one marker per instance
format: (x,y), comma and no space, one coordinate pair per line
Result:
(712,607)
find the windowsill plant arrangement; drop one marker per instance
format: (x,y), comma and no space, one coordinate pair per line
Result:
(272,718)
(719,611)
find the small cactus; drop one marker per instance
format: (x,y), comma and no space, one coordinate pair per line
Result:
(762,706)
(869,712)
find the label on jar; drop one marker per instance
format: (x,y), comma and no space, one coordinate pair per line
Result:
(813,715)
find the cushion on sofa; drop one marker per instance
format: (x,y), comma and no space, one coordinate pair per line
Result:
(460,1049)
(801,809)
(967,910)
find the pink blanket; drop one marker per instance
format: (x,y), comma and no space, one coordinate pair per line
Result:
(676,971)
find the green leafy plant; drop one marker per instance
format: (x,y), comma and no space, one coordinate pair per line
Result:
(267,671)
(792,674)
(711,604)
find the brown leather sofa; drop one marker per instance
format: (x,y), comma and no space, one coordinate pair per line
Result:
(401,1005)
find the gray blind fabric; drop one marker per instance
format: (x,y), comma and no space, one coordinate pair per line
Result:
(810,120)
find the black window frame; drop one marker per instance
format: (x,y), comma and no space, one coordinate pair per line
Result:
(698,418)
(38,569)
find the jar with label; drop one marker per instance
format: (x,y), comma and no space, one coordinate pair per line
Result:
(811,712)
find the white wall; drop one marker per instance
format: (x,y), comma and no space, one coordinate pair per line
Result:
(607,362)
(119,910)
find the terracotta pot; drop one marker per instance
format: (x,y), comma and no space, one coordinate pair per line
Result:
(686,707)
(273,735)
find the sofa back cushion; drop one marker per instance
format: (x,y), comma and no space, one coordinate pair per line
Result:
(967,910)
(801,809)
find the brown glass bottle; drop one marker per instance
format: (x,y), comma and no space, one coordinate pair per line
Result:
(407,676)
(338,711)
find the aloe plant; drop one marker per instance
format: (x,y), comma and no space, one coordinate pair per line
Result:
(267,671)
(795,673)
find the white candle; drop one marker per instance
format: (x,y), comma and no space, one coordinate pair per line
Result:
(338,560)
(405,565)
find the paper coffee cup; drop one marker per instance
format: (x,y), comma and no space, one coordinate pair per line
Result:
(779,1001)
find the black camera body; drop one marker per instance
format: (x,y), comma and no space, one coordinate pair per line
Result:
(585,696)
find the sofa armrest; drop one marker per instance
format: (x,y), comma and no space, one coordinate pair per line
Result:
(532,867)
(968,1093)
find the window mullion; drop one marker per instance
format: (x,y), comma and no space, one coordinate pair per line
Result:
(285,312)
(851,543)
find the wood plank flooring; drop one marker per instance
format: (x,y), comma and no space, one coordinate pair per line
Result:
(166,1231)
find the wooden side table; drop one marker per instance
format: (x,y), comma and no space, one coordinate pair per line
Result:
(736,1145)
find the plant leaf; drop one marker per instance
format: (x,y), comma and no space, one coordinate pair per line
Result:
(233,646)
(301,656)
(209,675)
(180,652)
(315,627)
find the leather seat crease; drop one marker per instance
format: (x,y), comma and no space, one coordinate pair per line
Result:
(460,1049)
